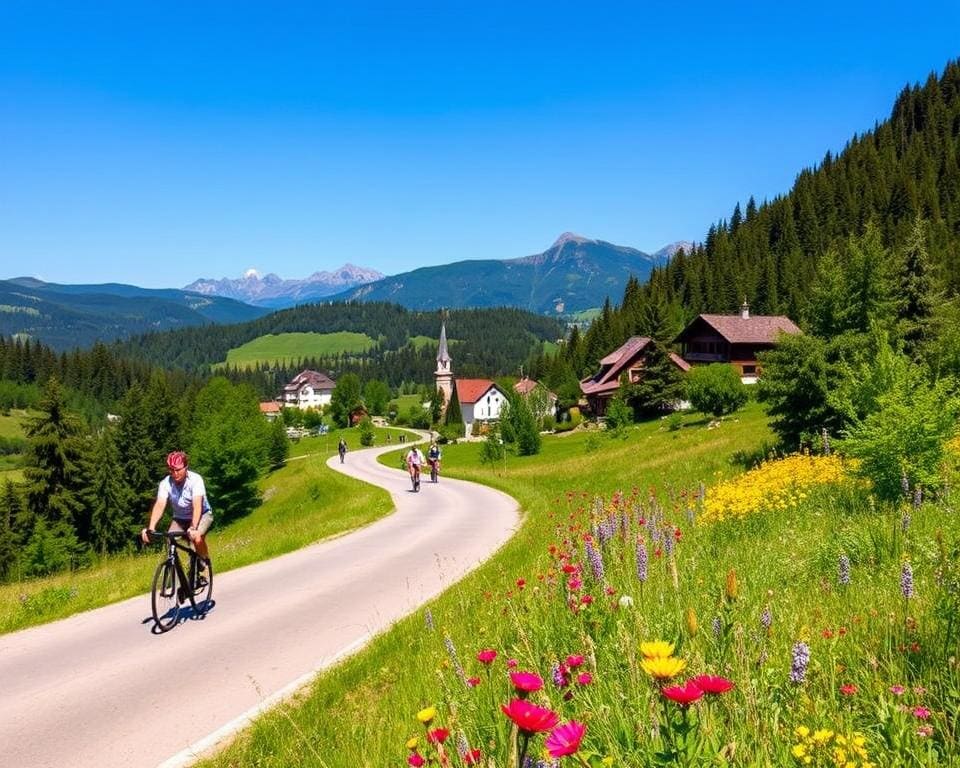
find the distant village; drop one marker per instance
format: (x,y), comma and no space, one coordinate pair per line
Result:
(735,340)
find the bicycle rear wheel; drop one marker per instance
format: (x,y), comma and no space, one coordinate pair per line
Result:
(202,593)
(165,599)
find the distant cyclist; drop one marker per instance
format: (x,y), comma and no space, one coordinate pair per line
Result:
(186,495)
(414,462)
(342,449)
(433,459)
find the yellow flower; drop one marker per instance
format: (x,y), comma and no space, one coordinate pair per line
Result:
(798,751)
(802,731)
(657,649)
(822,736)
(692,625)
(425,716)
(663,668)
(412,743)
(731,589)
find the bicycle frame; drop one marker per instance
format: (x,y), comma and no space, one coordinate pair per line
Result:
(187,586)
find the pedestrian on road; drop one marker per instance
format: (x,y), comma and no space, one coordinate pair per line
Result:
(186,494)
(342,449)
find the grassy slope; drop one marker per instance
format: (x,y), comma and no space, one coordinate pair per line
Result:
(294,346)
(303,503)
(12,425)
(359,712)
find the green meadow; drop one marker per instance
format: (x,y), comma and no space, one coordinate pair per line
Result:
(290,347)
(281,524)
(823,625)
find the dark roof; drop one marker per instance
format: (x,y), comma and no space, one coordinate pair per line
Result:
(443,356)
(315,379)
(755,329)
(607,379)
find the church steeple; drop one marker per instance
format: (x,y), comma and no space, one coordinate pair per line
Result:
(444,373)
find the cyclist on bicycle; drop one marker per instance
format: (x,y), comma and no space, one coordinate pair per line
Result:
(414,462)
(342,449)
(186,495)
(433,459)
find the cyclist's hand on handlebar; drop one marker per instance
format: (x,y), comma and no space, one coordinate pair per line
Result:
(145,535)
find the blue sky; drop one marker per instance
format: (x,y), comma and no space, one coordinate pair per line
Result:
(155,143)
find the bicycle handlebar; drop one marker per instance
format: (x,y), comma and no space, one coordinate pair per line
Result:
(157,535)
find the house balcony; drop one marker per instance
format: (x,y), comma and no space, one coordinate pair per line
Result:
(704,357)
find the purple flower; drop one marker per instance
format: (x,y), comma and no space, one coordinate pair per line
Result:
(843,570)
(595,560)
(642,560)
(906,581)
(801,658)
(668,541)
(917,497)
(766,618)
(454,660)
(905,521)
(717,626)
(559,675)
(905,485)
(826,442)
(428,619)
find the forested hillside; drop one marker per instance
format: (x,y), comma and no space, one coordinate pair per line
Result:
(488,342)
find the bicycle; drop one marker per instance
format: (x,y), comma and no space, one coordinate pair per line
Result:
(172,587)
(415,478)
(434,470)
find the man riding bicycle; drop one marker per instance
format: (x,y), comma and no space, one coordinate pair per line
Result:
(414,462)
(433,459)
(186,495)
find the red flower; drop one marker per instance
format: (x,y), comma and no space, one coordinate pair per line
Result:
(584,678)
(676,534)
(529,717)
(565,739)
(473,682)
(511,663)
(415,760)
(574,661)
(472,757)
(569,568)
(521,583)
(586,599)
(526,682)
(712,684)
(827,634)
(684,695)
(438,735)
(849,689)
(487,656)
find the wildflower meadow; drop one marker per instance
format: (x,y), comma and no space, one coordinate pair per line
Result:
(778,616)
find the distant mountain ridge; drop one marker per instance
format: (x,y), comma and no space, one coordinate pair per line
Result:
(67,316)
(273,291)
(573,274)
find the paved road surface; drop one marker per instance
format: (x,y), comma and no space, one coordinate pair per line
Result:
(101,690)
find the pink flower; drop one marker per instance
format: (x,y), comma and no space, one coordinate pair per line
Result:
(438,735)
(473,682)
(487,656)
(415,760)
(897,690)
(574,661)
(584,678)
(849,689)
(529,717)
(574,584)
(684,695)
(924,731)
(712,684)
(586,599)
(565,739)
(526,682)
(921,713)
(511,663)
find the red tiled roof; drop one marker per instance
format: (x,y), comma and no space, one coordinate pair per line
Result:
(270,407)
(471,390)
(756,329)
(526,385)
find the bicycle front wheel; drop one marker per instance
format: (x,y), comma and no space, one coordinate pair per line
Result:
(165,597)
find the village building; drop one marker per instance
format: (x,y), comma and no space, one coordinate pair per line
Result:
(629,359)
(481,401)
(270,410)
(542,406)
(734,339)
(308,389)
(443,376)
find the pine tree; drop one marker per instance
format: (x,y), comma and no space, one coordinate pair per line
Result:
(917,294)
(9,514)
(454,417)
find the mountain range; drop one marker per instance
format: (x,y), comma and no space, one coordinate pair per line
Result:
(573,274)
(273,291)
(67,316)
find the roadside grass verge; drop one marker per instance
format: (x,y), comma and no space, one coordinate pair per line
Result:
(303,502)
(361,712)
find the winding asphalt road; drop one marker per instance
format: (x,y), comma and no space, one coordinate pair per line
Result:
(101,689)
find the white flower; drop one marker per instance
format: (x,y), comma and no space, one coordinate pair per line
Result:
(625,601)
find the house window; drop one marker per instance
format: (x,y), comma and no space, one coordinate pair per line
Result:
(749,370)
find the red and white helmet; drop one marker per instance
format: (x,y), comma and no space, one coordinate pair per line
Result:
(177,460)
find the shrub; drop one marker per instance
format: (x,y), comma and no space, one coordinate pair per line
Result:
(366,432)
(549,423)
(716,389)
